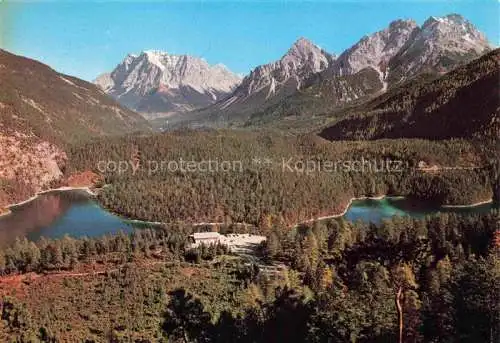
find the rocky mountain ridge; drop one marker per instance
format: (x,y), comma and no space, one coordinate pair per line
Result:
(375,50)
(159,82)
(461,104)
(401,51)
(398,53)
(441,44)
(284,76)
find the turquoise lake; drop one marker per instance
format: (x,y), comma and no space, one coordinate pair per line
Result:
(75,213)
(374,210)
(58,213)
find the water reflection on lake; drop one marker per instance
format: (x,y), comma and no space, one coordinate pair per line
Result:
(375,210)
(58,213)
(75,213)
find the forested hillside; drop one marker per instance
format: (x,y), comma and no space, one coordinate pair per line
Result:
(321,95)
(36,100)
(270,182)
(461,104)
(406,280)
(41,111)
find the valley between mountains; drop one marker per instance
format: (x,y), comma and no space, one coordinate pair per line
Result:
(437,81)
(188,90)
(425,97)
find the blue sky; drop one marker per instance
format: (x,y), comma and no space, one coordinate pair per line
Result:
(87,38)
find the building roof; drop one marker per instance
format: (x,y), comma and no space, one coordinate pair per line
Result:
(206,235)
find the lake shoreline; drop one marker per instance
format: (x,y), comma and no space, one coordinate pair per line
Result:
(349,204)
(380,197)
(479,203)
(294,225)
(110,222)
(129,220)
(7,210)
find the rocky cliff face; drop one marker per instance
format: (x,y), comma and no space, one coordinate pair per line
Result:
(405,50)
(441,44)
(40,112)
(280,78)
(375,50)
(161,83)
(28,165)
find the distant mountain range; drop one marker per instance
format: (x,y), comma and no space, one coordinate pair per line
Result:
(404,49)
(157,82)
(387,59)
(379,62)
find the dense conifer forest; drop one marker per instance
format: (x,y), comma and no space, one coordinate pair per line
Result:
(407,280)
(271,181)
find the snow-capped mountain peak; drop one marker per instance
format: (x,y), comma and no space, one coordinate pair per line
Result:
(159,58)
(440,44)
(285,75)
(156,81)
(453,29)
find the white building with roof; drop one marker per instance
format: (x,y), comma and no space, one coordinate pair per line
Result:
(205,238)
(238,243)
